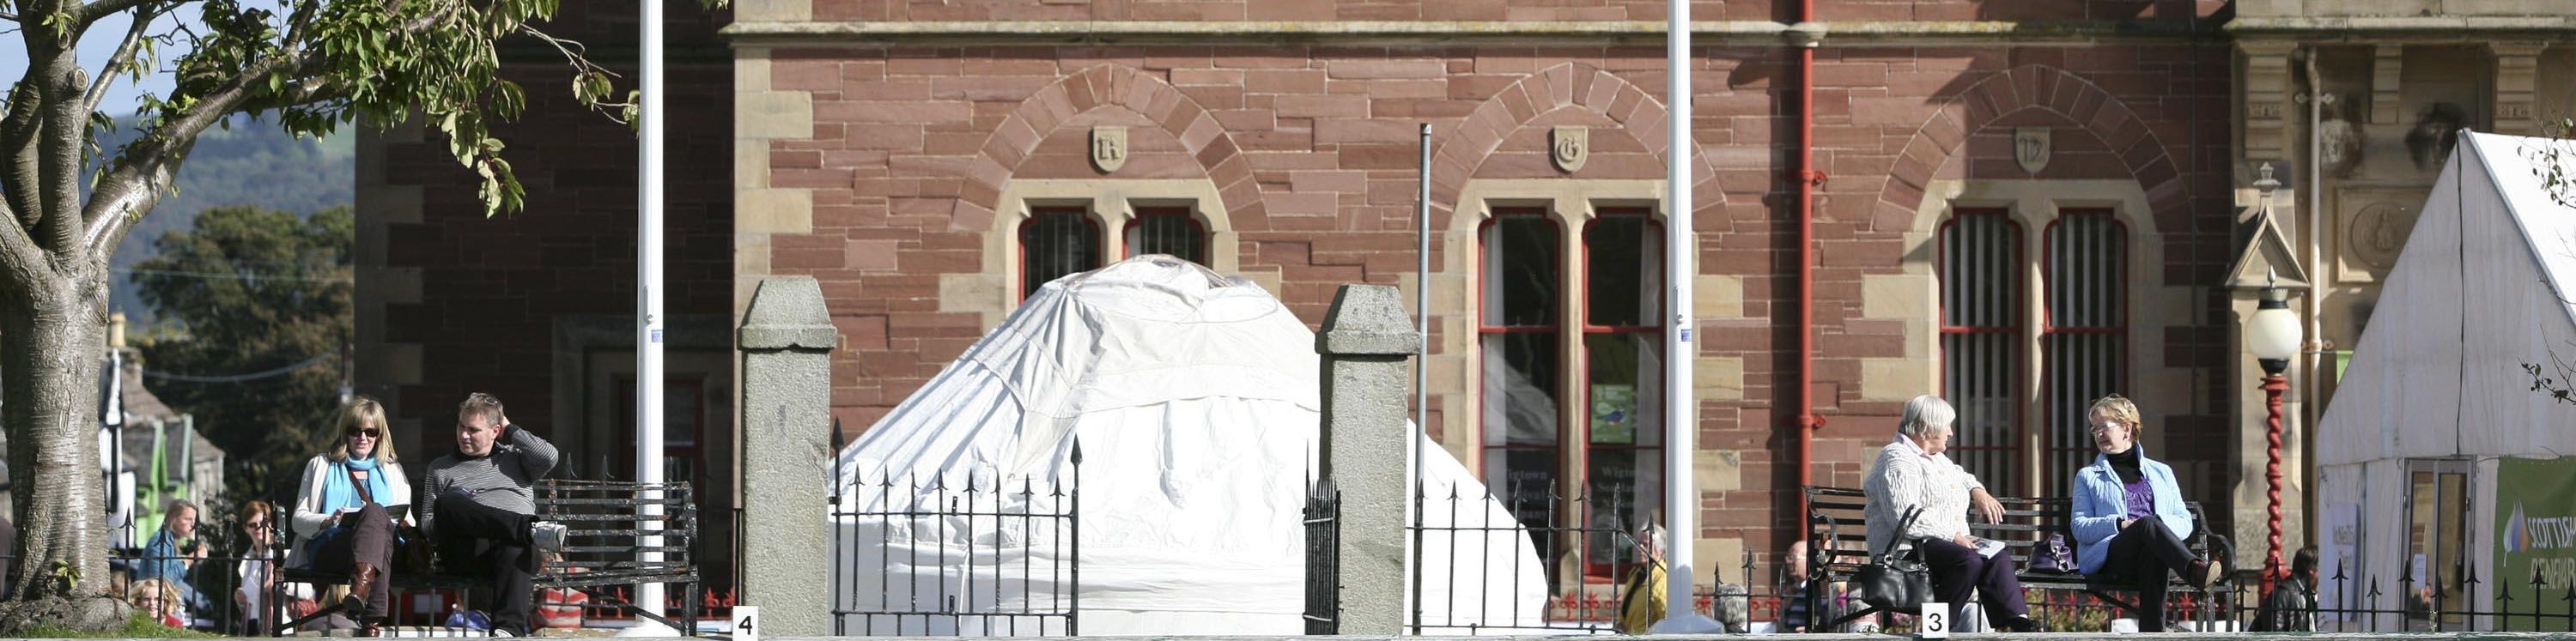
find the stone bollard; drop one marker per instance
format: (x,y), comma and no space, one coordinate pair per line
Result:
(1366,343)
(786,342)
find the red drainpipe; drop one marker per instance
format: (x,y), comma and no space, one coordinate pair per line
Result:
(1808,177)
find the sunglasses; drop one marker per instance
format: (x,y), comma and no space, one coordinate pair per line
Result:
(368,432)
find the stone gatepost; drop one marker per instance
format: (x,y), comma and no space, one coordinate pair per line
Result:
(786,343)
(1366,343)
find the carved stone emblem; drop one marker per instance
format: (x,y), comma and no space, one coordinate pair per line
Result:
(1108,148)
(1568,146)
(2030,148)
(2378,232)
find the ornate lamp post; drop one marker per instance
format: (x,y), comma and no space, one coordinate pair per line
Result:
(2273,335)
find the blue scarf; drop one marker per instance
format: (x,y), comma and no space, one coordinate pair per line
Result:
(338,494)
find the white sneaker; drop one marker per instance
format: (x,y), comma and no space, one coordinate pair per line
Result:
(549,535)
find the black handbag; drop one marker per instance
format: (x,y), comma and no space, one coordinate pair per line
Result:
(1896,581)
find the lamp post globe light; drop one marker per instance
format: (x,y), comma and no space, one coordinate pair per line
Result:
(2273,335)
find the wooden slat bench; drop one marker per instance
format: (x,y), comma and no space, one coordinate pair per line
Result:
(1838,542)
(604,547)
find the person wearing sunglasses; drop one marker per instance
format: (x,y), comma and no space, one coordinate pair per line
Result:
(346,509)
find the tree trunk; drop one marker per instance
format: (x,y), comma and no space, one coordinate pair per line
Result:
(49,399)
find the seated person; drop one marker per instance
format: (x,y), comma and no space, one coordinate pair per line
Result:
(2129,515)
(482,504)
(173,552)
(160,599)
(345,514)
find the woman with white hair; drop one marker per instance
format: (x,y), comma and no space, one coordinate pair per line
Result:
(1641,600)
(1910,473)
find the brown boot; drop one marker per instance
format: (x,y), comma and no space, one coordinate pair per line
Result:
(362,582)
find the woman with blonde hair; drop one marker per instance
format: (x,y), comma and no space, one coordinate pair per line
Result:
(2129,516)
(158,597)
(346,509)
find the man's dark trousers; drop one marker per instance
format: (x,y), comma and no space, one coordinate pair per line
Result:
(483,541)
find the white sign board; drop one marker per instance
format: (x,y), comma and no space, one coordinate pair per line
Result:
(746,623)
(1935,621)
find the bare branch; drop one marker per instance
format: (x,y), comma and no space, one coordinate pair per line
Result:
(123,57)
(91,12)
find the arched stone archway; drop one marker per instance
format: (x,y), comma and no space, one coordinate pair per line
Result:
(1945,133)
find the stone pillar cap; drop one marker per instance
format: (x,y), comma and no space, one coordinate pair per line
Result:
(1368,320)
(787,312)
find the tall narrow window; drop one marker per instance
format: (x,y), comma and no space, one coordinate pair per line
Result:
(1055,242)
(1981,339)
(2085,336)
(1517,335)
(1623,351)
(1169,231)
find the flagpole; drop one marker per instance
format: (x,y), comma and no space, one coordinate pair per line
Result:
(1681,413)
(648,293)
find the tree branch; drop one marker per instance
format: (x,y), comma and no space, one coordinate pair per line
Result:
(18,129)
(63,126)
(88,13)
(19,257)
(137,178)
(123,57)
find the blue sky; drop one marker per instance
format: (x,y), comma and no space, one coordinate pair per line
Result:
(123,95)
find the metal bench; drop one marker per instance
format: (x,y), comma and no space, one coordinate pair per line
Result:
(1838,541)
(603,548)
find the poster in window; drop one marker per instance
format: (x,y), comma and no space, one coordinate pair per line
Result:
(1614,413)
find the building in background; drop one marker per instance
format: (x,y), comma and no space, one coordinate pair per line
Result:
(2020,206)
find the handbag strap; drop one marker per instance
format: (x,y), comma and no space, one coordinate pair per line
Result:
(1905,523)
(365,495)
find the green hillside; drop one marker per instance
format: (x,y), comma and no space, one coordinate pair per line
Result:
(248,163)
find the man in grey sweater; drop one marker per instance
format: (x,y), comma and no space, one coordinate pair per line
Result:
(480,508)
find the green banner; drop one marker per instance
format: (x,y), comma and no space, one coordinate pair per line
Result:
(2535,531)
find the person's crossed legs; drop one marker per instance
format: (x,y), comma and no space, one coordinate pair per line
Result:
(483,541)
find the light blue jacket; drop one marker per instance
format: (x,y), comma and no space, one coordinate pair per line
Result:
(2101,501)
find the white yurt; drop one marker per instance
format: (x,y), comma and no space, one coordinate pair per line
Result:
(1193,399)
(2437,401)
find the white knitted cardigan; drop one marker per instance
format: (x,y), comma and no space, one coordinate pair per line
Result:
(1903,478)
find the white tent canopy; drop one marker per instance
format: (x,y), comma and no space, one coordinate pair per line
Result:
(1194,400)
(2478,291)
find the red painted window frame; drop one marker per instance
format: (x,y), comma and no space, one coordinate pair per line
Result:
(2018,301)
(2079,442)
(1183,212)
(1019,268)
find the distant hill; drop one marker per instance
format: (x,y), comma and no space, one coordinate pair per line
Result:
(248,163)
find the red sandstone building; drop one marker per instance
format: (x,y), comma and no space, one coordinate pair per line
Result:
(2020,206)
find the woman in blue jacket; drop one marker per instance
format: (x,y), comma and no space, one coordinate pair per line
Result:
(2129,515)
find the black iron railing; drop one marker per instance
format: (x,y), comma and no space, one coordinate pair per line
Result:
(1323,519)
(925,554)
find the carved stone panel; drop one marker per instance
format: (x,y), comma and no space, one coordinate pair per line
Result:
(1569,146)
(2371,228)
(2031,148)
(1108,148)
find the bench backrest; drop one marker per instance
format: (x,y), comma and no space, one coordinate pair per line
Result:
(609,532)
